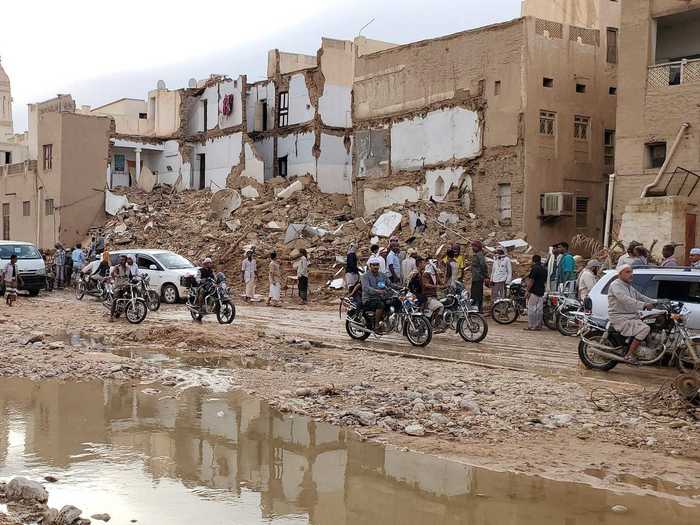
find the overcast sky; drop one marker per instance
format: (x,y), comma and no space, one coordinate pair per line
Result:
(100,51)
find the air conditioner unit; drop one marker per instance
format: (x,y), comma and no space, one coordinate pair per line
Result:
(557,204)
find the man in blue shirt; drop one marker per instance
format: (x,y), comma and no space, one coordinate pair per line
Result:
(393,264)
(78,258)
(566,270)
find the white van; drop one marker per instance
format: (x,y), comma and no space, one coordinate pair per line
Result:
(30,264)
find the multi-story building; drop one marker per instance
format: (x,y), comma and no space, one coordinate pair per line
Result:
(658,139)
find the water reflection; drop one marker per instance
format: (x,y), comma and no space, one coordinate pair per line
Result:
(224,459)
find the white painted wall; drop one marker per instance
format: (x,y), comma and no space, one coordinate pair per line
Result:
(438,137)
(300,108)
(221,154)
(236,118)
(335,106)
(196,122)
(168,165)
(265,149)
(254,165)
(450,177)
(298,148)
(334,172)
(257,93)
(378,199)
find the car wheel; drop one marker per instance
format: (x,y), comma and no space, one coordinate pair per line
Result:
(170,294)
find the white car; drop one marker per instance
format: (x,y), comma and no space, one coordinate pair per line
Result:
(165,269)
(30,264)
(675,284)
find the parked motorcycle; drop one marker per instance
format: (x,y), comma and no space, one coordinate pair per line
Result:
(130,303)
(216,299)
(87,286)
(461,315)
(566,320)
(403,316)
(602,347)
(145,291)
(509,309)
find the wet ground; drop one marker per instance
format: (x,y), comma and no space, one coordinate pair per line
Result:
(180,457)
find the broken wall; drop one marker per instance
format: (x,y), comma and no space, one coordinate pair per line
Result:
(222,154)
(257,94)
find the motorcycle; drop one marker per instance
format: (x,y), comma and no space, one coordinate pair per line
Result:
(130,303)
(403,315)
(566,320)
(602,347)
(86,285)
(216,299)
(152,298)
(508,310)
(461,315)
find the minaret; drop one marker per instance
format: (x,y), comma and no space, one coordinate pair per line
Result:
(5,105)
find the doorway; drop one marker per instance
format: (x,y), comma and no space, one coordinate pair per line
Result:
(202,171)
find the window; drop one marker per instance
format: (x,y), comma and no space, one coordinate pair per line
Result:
(684,291)
(580,88)
(612,90)
(48,157)
(439,187)
(656,154)
(8,157)
(548,82)
(6,221)
(674,74)
(119,163)
(143,116)
(144,263)
(581,125)
(283,111)
(282,166)
(497,87)
(609,146)
(504,203)
(26,209)
(547,119)
(48,207)
(611,35)
(205,107)
(581,212)
(643,283)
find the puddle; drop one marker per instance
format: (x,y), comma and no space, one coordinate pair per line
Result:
(227,459)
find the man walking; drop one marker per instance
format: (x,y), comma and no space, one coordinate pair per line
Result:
(60,262)
(275,278)
(11,278)
(501,274)
(303,276)
(249,270)
(479,271)
(567,265)
(535,294)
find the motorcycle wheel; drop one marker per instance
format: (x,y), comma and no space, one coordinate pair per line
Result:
(196,315)
(549,317)
(504,312)
(352,330)
(592,360)
(418,331)
(567,325)
(473,328)
(153,301)
(686,363)
(226,313)
(136,311)
(80,290)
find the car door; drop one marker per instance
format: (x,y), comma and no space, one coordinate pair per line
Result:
(145,263)
(684,288)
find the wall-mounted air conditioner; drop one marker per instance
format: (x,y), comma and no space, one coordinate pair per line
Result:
(557,204)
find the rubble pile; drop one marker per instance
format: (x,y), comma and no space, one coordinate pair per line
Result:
(286,218)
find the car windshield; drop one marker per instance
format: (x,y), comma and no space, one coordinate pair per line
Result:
(22,251)
(173,261)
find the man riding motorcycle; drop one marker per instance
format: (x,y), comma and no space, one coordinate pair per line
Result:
(121,275)
(374,292)
(624,304)
(206,277)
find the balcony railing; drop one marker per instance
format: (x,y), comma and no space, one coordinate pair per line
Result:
(674,73)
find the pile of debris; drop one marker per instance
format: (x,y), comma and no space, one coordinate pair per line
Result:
(282,217)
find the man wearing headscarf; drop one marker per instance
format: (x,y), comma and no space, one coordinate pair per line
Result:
(588,278)
(479,273)
(694,258)
(352,272)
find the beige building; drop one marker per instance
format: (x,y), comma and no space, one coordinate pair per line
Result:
(658,139)
(516,119)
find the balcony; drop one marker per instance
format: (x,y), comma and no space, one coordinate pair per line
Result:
(674,73)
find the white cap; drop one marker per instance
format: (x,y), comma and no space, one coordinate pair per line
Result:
(207,260)
(695,251)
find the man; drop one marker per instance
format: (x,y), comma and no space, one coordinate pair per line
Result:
(451,270)
(566,271)
(669,258)
(303,276)
(430,282)
(374,256)
(628,258)
(408,266)
(133,267)
(120,274)
(641,256)
(60,262)
(374,290)
(248,273)
(12,279)
(99,245)
(501,274)
(694,258)
(588,278)
(393,262)
(78,258)
(553,267)
(459,258)
(624,304)
(479,271)
(536,285)
(352,271)
(206,276)
(275,279)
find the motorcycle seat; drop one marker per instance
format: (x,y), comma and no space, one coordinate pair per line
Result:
(600,323)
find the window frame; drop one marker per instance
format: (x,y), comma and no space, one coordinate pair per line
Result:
(283,109)
(654,162)
(548,122)
(581,217)
(26,208)
(47,150)
(123,162)
(609,147)
(49,207)
(505,213)
(611,50)
(582,127)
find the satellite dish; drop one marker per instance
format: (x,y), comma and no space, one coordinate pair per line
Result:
(161,84)
(192,83)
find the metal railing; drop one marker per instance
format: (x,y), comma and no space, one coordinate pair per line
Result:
(679,183)
(674,73)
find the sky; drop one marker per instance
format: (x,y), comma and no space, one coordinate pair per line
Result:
(100,51)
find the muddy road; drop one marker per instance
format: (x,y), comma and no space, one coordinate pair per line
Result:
(519,402)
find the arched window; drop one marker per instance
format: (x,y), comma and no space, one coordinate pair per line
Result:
(439,187)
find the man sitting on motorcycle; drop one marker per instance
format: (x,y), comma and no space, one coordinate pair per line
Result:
(424,285)
(624,304)
(374,292)
(120,275)
(206,278)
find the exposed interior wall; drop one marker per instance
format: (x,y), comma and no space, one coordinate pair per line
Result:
(221,155)
(334,167)
(300,108)
(660,219)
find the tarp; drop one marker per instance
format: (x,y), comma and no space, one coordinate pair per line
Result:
(387,222)
(115,203)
